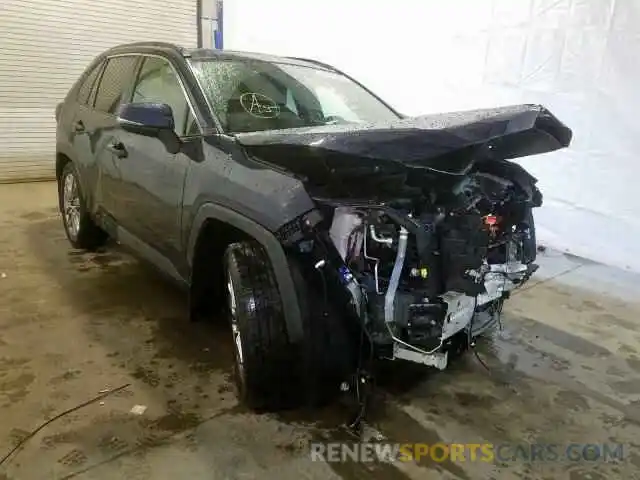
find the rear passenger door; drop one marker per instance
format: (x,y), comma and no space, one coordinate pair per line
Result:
(82,128)
(114,86)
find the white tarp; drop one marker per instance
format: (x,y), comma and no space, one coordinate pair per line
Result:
(577,57)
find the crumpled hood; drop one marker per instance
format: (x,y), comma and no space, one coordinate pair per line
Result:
(448,142)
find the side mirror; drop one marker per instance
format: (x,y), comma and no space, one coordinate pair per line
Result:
(151,120)
(146,118)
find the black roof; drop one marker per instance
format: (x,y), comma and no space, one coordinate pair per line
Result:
(204,53)
(207,53)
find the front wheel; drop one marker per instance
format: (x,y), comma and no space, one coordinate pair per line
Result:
(265,361)
(80,228)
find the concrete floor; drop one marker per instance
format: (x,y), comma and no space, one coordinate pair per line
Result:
(565,369)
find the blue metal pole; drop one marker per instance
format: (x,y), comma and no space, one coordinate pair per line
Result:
(218,34)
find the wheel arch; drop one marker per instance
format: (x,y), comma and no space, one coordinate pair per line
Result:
(209,215)
(61,160)
(64,156)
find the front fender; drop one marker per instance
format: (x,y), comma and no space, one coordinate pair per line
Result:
(274,250)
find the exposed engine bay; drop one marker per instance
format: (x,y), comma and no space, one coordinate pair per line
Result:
(427,272)
(422,271)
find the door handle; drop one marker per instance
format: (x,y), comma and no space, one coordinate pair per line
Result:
(118,149)
(78,126)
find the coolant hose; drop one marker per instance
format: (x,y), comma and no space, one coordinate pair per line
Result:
(390,296)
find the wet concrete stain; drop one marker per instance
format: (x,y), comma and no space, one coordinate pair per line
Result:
(514,352)
(572,400)
(607,319)
(616,371)
(591,305)
(51,441)
(327,425)
(400,427)
(34,216)
(73,458)
(477,400)
(65,377)
(496,347)
(146,375)
(612,421)
(599,333)
(16,435)
(17,388)
(7,363)
(628,349)
(634,363)
(174,422)
(626,386)
(560,338)
(585,474)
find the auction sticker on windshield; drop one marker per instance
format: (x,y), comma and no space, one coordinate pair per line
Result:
(259,105)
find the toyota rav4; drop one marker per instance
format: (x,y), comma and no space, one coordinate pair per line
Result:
(331,231)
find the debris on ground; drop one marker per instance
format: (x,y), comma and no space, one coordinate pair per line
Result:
(138,409)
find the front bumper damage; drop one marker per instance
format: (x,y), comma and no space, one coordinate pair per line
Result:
(463,314)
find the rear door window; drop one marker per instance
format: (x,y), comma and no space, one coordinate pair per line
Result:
(115,82)
(84,93)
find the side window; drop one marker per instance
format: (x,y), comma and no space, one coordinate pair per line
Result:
(114,83)
(158,83)
(87,86)
(335,105)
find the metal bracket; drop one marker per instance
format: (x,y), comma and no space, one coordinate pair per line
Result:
(438,360)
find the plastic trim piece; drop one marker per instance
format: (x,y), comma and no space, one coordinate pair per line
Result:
(274,250)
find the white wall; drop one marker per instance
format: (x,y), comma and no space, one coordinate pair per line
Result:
(580,58)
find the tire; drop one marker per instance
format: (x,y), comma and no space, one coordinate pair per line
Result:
(265,360)
(529,247)
(270,372)
(80,228)
(328,354)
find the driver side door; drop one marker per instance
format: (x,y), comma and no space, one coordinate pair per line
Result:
(153,178)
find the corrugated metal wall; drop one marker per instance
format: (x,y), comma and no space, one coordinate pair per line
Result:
(46,44)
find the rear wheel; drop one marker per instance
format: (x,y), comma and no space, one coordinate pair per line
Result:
(80,228)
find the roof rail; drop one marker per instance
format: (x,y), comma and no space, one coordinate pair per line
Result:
(316,62)
(168,45)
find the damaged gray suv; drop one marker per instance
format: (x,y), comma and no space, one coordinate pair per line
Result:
(332,231)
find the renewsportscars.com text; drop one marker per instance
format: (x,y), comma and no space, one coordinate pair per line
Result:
(467,452)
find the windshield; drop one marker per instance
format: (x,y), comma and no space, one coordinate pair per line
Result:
(253,95)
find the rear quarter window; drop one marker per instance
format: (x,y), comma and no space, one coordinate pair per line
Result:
(84,92)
